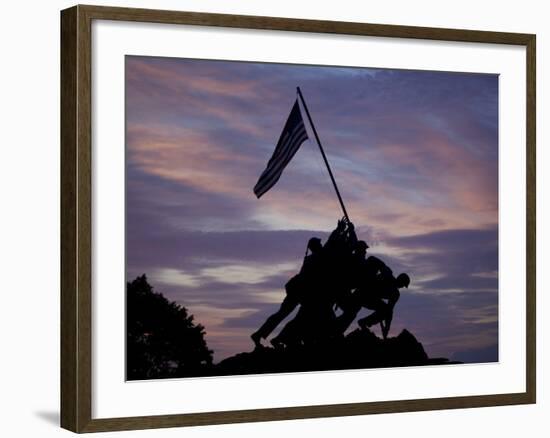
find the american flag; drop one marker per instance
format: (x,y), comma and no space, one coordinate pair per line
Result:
(293,135)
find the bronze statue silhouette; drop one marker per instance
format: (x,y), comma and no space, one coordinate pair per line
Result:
(343,278)
(382,299)
(366,275)
(315,320)
(297,288)
(336,275)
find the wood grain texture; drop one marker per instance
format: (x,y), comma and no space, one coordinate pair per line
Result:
(299,25)
(69,330)
(76,222)
(303,412)
(84,218)
(531,131)
(76,189)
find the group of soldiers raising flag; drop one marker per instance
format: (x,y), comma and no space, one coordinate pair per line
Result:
(336,275)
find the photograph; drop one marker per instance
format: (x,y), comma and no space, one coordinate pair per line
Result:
(292,218)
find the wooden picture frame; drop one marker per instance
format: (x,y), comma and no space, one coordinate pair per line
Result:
(76,218)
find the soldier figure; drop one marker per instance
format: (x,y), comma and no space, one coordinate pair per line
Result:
(382,299)
(296,290)
(361,275)
(316,320)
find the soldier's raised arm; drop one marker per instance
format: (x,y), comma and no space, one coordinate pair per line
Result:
(351,235)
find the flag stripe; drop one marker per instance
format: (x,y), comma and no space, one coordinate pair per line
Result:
(289,149)
(282,145)
(283,141)
(293,135)
(274,174)
(273,181)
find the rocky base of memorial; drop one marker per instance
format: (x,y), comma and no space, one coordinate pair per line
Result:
(359,349)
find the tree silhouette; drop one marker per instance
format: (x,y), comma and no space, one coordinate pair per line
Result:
(162,340)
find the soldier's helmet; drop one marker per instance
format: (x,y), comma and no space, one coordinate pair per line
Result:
(361,246)
(314,244)
(403,280)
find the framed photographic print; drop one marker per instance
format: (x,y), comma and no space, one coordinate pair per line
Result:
(324,218)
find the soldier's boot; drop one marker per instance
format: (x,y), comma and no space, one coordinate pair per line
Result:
(277,343)
(362,323)
(257,337)
(368,321)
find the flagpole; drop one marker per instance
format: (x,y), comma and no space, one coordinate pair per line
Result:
(323,154)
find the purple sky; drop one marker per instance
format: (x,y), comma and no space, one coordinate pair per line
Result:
(415,155)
